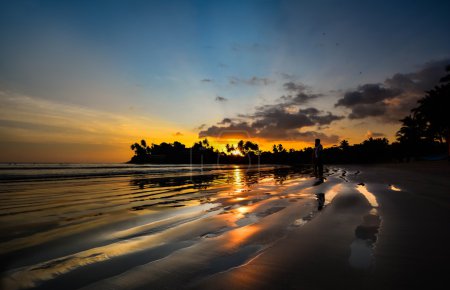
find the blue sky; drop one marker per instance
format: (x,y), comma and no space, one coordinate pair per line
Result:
(167,61)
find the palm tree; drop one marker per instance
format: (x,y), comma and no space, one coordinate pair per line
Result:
(344,145)
(411,130)
(434,110)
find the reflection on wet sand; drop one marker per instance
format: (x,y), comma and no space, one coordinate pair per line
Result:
(138,220)
(394,188)
(368,195)
(240,235)
(361,255)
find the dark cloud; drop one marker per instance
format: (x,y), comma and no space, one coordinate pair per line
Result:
(371,134)
(281,121)
(301,94)
(324,119)
(178,134)
(253,81)
(271,132)
(299,99)
(201,127)
(221,99)
(309,111)
(225,121)
(367,94)
(287,76)
(206,80)
(360,111)
(294,87)
(422,80)
(394,98)
(218,131)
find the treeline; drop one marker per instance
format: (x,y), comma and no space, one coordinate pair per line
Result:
(372,150)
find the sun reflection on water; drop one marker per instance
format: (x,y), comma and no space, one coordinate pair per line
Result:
(240,235)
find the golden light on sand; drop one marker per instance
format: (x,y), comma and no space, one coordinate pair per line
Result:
(394,188)
(240,235)
(242,209)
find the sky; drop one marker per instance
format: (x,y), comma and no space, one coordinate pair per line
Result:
(82,80)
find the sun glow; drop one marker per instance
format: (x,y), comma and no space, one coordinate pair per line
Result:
(236,152)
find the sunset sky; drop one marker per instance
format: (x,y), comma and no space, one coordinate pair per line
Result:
(81,80)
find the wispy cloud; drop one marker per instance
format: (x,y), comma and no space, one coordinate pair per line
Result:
(30,119)
(221,99)
(371,134)
(253,81)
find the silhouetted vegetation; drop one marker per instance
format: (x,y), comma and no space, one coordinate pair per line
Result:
(427,128)
(369,151)
(425,132)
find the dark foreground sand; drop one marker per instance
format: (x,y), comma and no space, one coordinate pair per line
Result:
(410,228)
(380,227)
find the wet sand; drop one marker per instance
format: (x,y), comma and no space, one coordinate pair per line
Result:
(396,238)
(383,226)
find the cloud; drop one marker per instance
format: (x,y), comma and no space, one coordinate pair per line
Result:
(422,80)
(300,98)
(371,134)
(206,80)
(294,87)
(300,91)
(221,99)
(367,94)
(287,119)
(226,121)
(396,96)
(360,111)
(287,76)
(253,81)
(268,132)
(178,134)
(35,120)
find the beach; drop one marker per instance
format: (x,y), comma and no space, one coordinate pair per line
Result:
(224,227)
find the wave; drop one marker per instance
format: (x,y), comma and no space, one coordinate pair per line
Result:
(17,172)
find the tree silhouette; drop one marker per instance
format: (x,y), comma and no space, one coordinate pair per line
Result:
(344,145)
(274,149)
(430,120)
(411,135)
